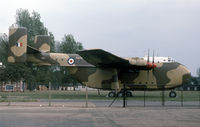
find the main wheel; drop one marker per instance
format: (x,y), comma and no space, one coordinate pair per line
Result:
(120,94)
(172,94)
(111,94)
(129,94)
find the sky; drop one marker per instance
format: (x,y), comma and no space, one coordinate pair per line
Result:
(127,28)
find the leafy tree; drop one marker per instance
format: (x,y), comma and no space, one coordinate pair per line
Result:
(3,57)
(198,72)
(32,21)
(193,81)
(68,45)
(29,72)
(52,44)
(16,72)
(3,49)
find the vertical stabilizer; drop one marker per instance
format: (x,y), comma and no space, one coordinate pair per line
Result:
(17,44)
(42,42)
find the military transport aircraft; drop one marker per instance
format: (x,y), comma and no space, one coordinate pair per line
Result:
(97,68)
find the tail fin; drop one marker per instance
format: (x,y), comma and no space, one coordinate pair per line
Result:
(42,43)
(17,44)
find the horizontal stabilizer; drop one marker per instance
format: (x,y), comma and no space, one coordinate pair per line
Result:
(31,50)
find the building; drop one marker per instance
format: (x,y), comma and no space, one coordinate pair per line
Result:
(14,86)
(11,86)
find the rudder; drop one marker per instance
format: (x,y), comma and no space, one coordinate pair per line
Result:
(17,44)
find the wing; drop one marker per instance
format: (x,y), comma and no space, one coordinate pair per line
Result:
(101,58)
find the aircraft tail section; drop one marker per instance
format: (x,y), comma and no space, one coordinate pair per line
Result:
(42,43)
(17,44)
(20,52)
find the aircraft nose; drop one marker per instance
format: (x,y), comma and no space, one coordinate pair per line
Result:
(186,75)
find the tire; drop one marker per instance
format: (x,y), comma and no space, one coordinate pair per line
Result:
(111,94)
(129,94)
(120,94)
(172,94)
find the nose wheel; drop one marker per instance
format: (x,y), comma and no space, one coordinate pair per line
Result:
(172,94)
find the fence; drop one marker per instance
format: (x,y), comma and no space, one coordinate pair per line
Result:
(184,97)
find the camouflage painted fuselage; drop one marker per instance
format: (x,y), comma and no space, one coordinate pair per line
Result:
(164,76)
(98,68)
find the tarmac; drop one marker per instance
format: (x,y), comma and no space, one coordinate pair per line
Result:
(101,103)
(75,114)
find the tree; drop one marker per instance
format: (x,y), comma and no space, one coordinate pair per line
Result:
(4,49)
(17,72)
(29,72)
(68,45)
(198,72)
(3,57)
(32,21)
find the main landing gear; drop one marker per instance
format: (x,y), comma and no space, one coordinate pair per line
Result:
(172,94)
(120,94)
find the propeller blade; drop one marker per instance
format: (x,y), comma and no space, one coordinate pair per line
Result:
(148,57)
(153,57)
(153,62)
(148,65)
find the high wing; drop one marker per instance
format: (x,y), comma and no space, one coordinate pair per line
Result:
(101,58)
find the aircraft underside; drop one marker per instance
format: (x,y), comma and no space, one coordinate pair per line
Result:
(105,78)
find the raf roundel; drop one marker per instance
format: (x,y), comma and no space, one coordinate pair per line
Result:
(70,61)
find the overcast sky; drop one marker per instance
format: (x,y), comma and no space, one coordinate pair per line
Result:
(124,27)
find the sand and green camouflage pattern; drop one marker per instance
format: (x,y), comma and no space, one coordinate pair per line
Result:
(42,43)
(97,68)
(17,45)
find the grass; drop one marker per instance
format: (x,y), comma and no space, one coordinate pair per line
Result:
(157,96)
(34,96)
(137,95)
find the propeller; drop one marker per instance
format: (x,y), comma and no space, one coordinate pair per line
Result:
(150,65)
(148,57)
(153,63)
